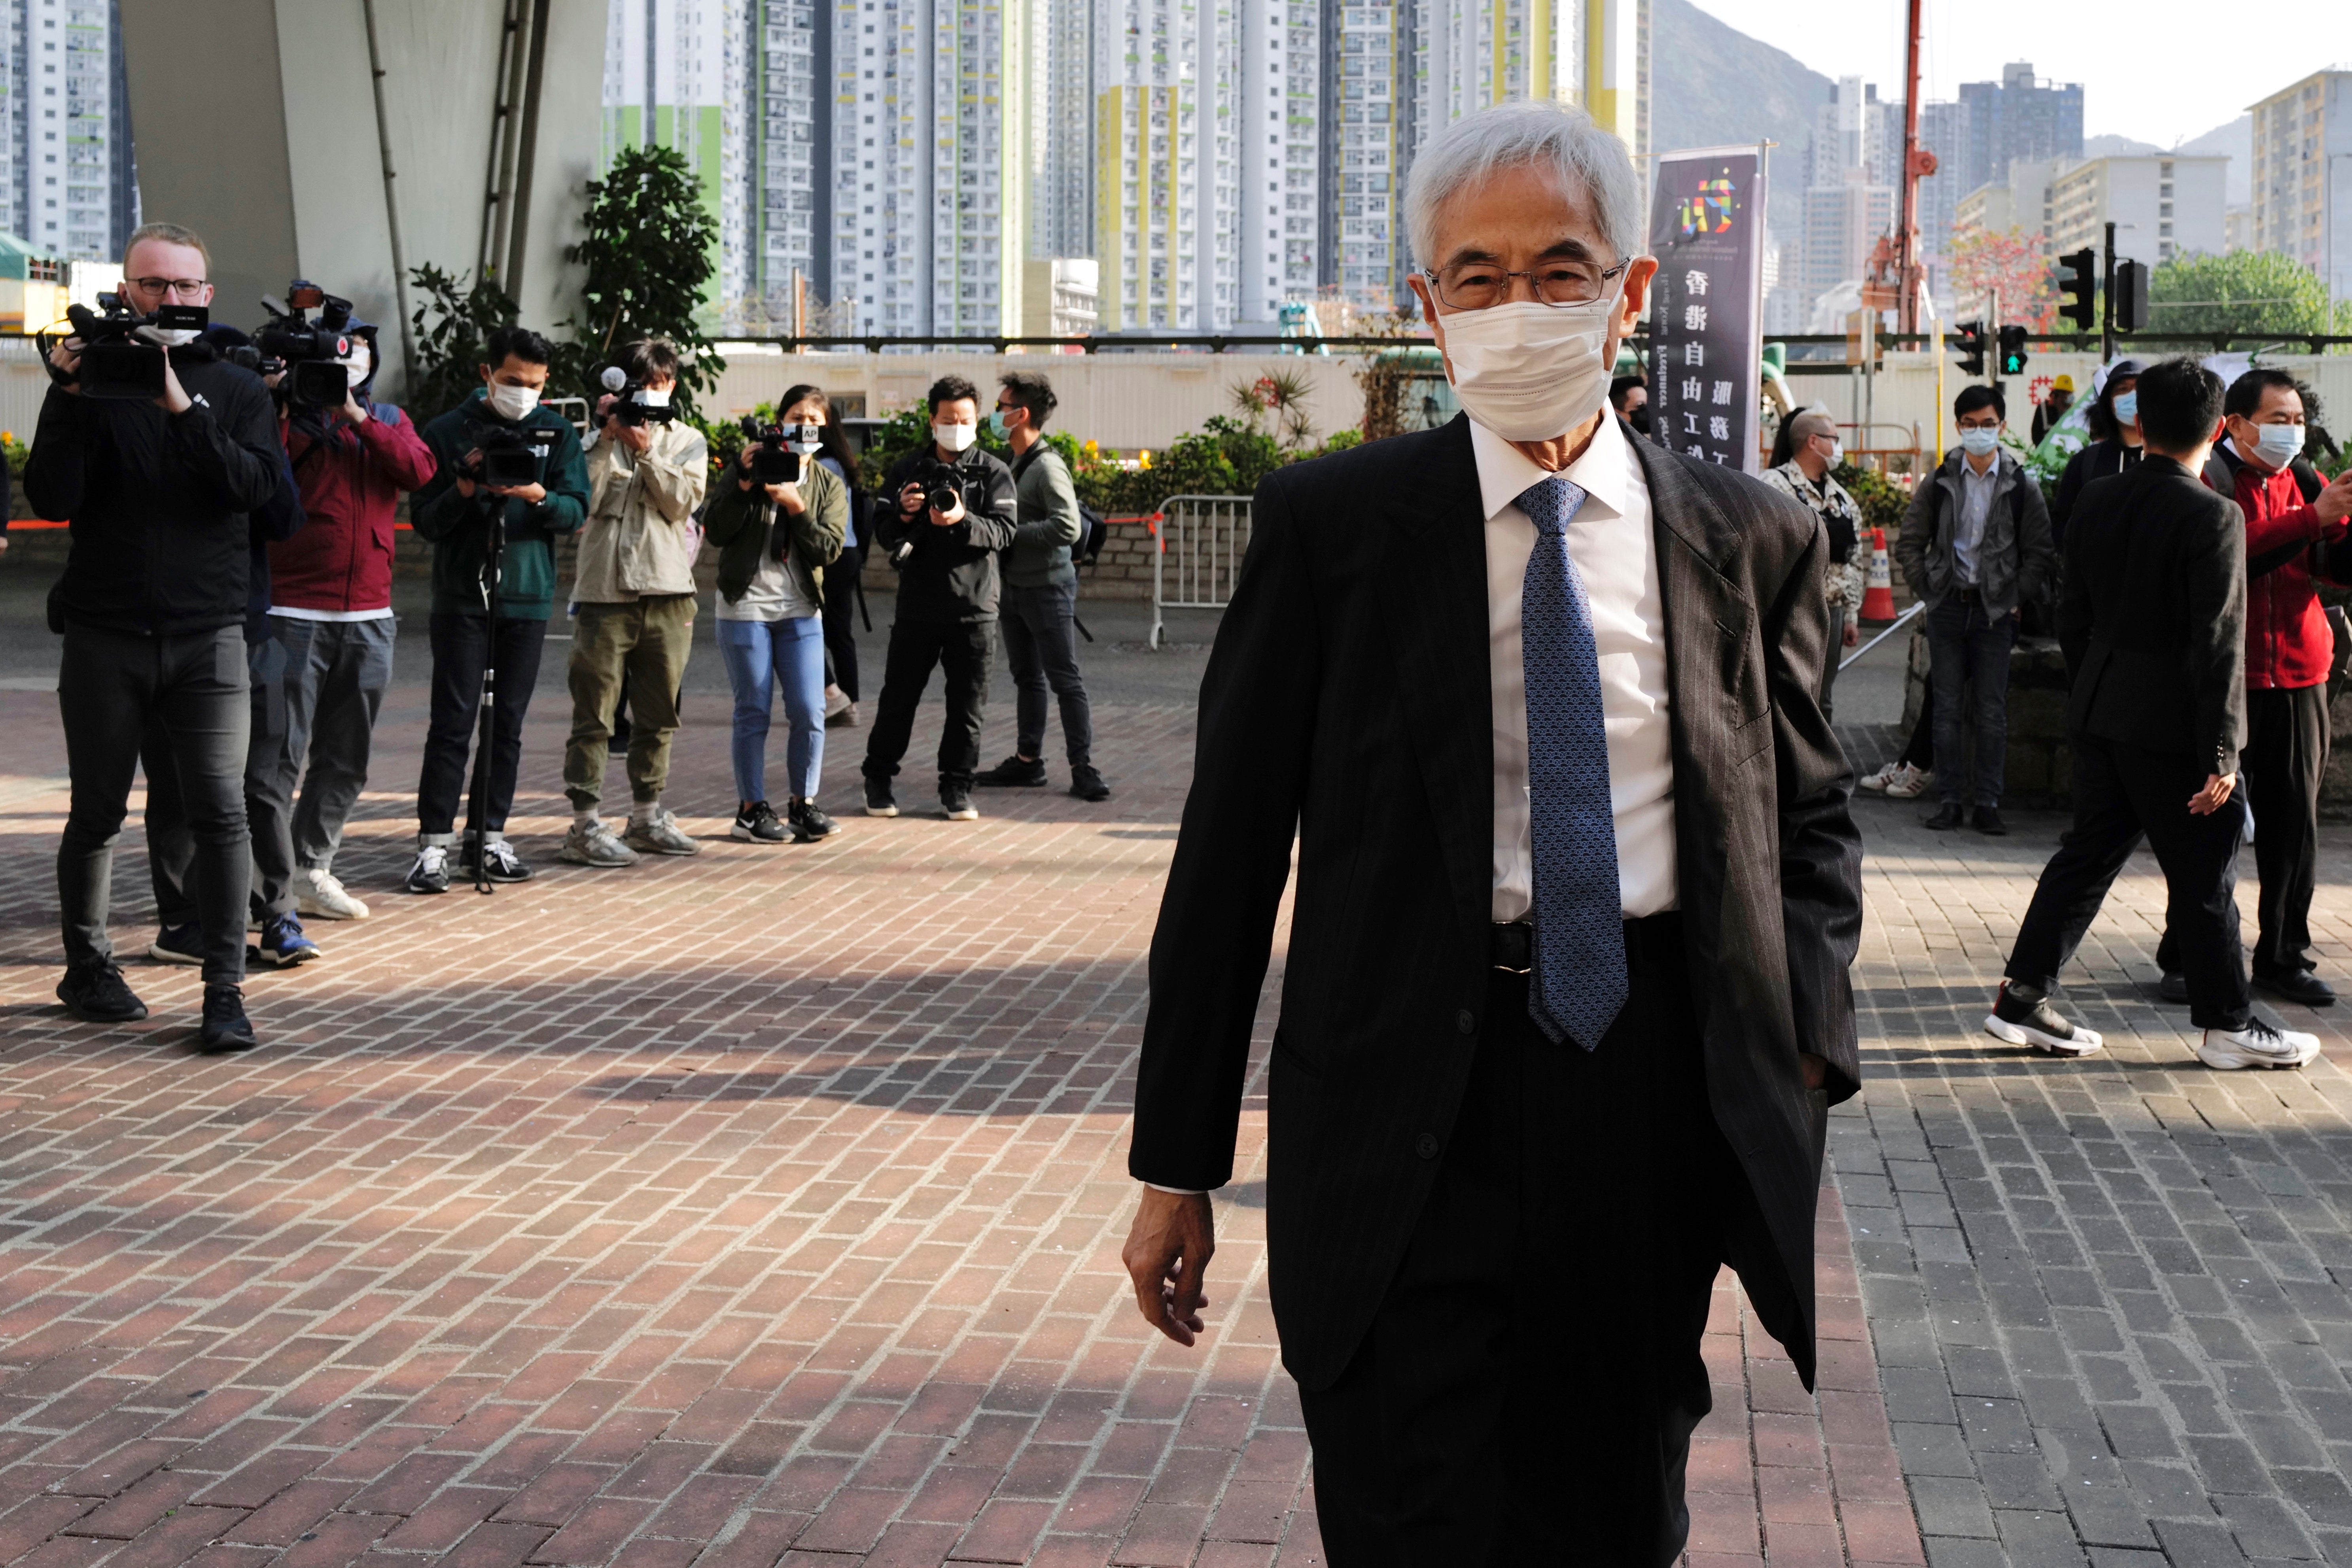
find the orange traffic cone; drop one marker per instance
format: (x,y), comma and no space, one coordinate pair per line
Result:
(1878,590)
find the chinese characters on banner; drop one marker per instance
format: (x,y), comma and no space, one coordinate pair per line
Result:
(1706,316)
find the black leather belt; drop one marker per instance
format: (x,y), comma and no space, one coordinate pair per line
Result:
(1511,945)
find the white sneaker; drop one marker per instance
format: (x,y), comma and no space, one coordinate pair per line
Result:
(1910,782)
(595,845)
(1876,783)
(2256,1046)
(316,892)
(2023,1018)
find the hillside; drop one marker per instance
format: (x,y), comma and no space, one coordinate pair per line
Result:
(1712,86)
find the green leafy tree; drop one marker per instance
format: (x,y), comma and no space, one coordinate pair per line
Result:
(648,258)
(2247,293)
(450,328)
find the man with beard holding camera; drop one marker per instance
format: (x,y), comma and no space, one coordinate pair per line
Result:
(946,557)
(457,510)
(152,607)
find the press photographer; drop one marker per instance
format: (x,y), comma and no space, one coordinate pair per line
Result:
(329,609)
(153,604)
(945,511)
(633,584)
(511,477)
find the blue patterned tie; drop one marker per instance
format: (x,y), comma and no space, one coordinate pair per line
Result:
(1579,946)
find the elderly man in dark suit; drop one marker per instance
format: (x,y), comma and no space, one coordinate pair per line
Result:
(1567,998)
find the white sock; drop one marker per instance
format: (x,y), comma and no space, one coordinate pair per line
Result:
(581,821)
(642,812)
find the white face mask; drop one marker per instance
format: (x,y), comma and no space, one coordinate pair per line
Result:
(355,366)
(1837,453)
(512,402)
(652,397)
(1978,442)
(1528,370)
(171,337)
(955,438)
(2278,445)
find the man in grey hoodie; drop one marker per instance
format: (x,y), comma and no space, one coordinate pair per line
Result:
(1041,594)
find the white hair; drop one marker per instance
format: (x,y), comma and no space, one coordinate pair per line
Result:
(1557,136)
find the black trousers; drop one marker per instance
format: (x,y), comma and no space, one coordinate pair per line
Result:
(841,620)
(960,650)
(1527,1391)
(460,645)
(1041,645)
(2285,754)
(2120,793)
(114,691)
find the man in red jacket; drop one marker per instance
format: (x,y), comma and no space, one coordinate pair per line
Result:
(2296,537)
(331,611)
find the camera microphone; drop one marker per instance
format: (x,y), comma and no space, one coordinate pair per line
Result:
(615,378)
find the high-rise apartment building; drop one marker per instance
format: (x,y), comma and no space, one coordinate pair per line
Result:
(2162,206)
(1850,196)
(778,127)
(666,84)
(69,184)
(2020,116)
(2302,176)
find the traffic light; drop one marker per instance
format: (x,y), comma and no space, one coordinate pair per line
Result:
(1972,348)
(2131,296)
(2081,291)
(2012,351)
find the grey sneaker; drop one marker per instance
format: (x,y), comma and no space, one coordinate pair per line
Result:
(596,846)
(662,835)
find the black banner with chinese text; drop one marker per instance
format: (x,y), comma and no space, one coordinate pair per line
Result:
(1707,346)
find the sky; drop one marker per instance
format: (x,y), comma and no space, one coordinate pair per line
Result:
(2149,68)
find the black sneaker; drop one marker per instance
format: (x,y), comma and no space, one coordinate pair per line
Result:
(1013,771)
(1989,824)
(431,872)
(878,800)
(178,944)
(2297,985)
(1948,817)
(2024,1016)
(226,1028)
(759,823)
(505,865)
(810,823)
(955,802)
(2172,985)
(1087,784)
(95,992)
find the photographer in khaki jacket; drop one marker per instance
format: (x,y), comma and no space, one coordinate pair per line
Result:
(633,586)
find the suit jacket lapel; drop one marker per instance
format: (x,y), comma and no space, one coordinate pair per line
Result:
(1433,591)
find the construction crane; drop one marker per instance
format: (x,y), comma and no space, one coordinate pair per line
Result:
(1894,280)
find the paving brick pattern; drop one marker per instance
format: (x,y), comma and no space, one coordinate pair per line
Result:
(2108,1298)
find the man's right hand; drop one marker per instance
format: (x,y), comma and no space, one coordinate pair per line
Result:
(910,502)
(2333,504)
(473,460)
(67,357)
(1167,1255)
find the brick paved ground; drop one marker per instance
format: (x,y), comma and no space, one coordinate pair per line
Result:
(757,1208)
(2108,1296)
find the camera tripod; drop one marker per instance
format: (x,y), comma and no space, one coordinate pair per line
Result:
(478,794)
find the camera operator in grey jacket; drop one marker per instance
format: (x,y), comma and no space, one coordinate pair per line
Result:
(1041,595)
(1975,545)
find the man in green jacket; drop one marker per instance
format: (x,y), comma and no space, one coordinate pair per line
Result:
(457,512)
(1041,595)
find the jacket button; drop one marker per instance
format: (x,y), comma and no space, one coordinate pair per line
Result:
(1466,1021)
(1426,1145)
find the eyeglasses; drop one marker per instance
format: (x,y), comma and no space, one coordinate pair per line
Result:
(182,287)
(1479,285)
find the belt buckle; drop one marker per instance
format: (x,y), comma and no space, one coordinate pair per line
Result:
(1528,968)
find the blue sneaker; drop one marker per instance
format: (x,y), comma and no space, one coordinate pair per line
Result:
(283,943)
(178,944)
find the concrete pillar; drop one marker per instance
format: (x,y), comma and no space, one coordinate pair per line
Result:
(257,128)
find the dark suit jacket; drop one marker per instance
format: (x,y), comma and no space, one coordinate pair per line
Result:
(1349,699)
(2152,618)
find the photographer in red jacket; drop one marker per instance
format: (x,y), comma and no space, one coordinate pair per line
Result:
(2295,539)
(331,611)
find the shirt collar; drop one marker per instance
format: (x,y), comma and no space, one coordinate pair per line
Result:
(1506,473)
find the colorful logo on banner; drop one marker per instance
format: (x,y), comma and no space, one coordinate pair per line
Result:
(1708,210)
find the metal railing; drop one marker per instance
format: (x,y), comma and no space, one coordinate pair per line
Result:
(1199,545)
(1896,625)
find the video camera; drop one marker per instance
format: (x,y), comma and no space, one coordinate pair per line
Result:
(629,404)
(117,362)
(773,461)
(309,352)
(510,458)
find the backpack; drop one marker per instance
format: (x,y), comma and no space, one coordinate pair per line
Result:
(1090,544)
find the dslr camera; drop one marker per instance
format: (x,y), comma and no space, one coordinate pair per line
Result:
(118,359)
(944,484)
(773,461)
(629,405)
(309,352)
(510,458)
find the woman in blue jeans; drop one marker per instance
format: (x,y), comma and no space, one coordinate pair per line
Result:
(774,544)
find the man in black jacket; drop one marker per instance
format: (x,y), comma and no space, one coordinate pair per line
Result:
(153,601)
(1566,994)
(2152,620)
(947,595)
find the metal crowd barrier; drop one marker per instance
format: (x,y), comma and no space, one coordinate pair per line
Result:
(1200,543)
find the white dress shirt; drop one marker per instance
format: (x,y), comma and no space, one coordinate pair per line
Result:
(1615,553)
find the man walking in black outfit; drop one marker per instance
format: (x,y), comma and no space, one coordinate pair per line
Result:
(948,591)
(2152,618)
(154,604)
